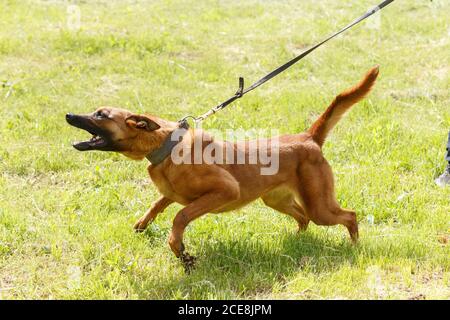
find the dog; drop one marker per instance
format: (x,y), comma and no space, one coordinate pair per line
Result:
(302,188)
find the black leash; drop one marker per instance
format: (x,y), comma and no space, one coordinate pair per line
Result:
(158,155)
(241,92)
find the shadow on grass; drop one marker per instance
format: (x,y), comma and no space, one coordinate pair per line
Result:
(286,254)
(228,268)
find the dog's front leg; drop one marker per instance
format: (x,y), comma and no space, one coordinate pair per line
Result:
(204,204)
(156,208)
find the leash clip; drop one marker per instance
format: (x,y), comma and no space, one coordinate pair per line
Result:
(183,123)
(197,120)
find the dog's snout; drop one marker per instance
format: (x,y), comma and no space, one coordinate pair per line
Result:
(74,119)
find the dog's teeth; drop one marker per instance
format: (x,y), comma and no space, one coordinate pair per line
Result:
(96,140)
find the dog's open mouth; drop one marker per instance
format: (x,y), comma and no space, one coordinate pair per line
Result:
(98,141)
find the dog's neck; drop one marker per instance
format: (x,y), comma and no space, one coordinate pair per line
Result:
(158,155)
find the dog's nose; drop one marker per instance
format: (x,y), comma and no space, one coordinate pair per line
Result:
(69,116)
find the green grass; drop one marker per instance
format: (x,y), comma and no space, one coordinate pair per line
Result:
(66,217)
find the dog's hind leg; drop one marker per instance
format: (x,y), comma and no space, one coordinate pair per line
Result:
(320,204)
(157,207)
(285,203)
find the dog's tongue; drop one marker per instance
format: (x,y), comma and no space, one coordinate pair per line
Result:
(95,142)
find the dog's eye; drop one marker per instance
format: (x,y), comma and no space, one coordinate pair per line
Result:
(99,115)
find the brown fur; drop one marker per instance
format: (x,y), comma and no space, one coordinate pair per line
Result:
(340,105)
(303,187)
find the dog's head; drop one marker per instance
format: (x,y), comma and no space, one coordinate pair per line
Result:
(119,130)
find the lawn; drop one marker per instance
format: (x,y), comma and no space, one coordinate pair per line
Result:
(66,217)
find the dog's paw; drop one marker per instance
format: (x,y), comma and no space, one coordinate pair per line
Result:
(140,225)
(188,262)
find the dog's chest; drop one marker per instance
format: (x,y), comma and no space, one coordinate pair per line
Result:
(164,186)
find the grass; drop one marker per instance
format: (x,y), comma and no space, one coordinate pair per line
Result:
(66,217)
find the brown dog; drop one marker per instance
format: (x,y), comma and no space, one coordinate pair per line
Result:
(302,187)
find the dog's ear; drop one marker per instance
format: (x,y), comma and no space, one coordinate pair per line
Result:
(142,122)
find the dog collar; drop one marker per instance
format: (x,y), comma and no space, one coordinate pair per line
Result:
(157,156)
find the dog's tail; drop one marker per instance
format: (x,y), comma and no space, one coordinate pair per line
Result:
(320,129)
